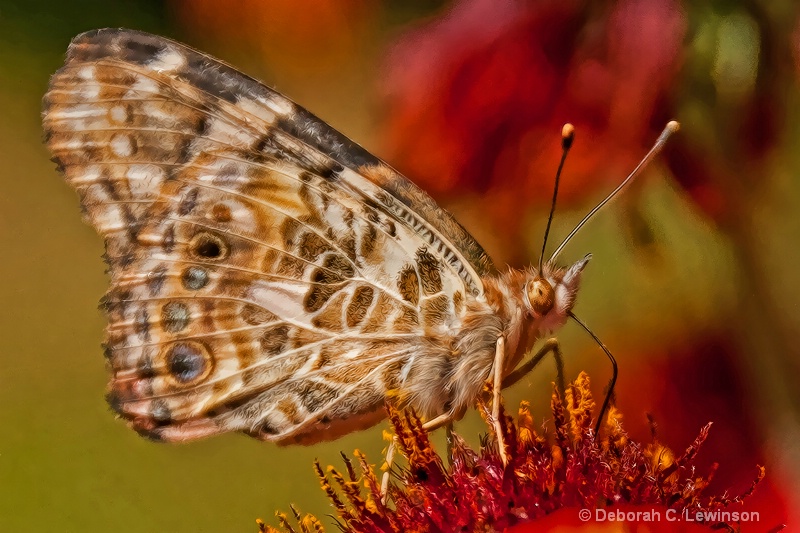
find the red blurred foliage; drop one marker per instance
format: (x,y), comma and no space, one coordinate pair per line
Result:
(290,35)
(476,98)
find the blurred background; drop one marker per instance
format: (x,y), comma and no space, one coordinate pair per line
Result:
(693,286)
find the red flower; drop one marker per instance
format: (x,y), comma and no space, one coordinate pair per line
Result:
(567,470)
(476,98)
(696,380)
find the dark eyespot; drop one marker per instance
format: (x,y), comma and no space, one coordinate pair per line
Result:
(208,246)
(188,362)
(194,278)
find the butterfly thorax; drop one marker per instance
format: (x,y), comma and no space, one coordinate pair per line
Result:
(530,305)
(510,307)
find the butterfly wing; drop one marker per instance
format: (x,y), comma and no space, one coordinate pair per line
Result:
(267,274)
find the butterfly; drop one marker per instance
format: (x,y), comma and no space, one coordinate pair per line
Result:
(267,274)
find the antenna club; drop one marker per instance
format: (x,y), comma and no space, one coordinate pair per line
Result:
(567,135)
(671,127)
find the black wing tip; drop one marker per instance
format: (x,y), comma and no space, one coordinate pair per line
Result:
(98,43)
(103,34)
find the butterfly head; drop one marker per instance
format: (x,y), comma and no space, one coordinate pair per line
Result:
(550,294)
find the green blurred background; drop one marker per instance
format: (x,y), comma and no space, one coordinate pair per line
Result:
(693,284)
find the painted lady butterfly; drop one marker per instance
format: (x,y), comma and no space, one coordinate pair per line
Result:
(268,275)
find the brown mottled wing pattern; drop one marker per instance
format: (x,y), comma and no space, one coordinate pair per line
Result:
(267,274)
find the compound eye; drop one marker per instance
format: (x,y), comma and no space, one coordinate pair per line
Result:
(541,296)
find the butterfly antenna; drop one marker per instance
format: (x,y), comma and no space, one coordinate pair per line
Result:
(567,136)
(669,129)
(611,384)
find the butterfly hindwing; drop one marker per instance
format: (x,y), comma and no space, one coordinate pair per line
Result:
(267,274)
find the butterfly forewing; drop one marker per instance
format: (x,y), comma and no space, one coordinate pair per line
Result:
(267,274)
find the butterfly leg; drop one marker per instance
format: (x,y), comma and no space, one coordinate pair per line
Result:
(551,345)
(445,419)
(449,434)
(500,383)
(389,460)
(497,387)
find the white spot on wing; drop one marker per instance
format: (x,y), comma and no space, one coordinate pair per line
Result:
(143,85)
(222,131)
(145,180)
(258,109)
(90,175)
(77,112)
(86,73)
(121,145)
(108,218)
(169,60)
(118,114)
(90,91)
(279,105)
